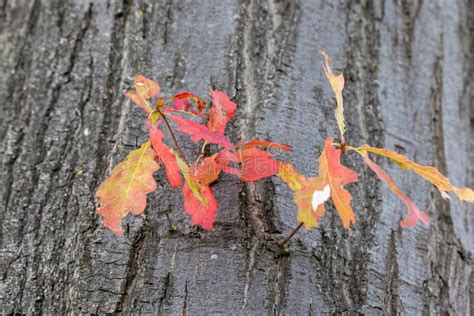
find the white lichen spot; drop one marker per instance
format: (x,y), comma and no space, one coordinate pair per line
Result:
(319,197)
(213,257)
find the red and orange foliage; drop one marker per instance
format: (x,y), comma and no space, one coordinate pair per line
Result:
(126,188)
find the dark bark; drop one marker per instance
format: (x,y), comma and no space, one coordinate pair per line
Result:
(64,124)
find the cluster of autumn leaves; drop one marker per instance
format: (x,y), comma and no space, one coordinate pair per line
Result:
(126,188)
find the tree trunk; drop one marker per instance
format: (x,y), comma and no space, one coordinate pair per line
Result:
(64,123)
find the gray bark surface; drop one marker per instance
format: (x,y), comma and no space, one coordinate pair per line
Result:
(64,123)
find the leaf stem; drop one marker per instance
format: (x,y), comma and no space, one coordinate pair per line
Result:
(343,145)
(201,155)
(293,232)
(172,135)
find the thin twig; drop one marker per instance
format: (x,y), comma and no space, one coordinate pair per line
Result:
(201,155)
(284,241)
(181,153)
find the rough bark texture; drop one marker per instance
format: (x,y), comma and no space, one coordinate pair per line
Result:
(64,124)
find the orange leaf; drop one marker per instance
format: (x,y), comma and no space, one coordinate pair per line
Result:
(337,85)
(430,174)
(144,89)
(413,212)
(337,176)
(311,193)
(126,188)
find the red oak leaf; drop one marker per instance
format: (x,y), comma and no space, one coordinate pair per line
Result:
(202,214)
(198,131)
(164,155)
(255,164)
(337,85)
(226,157)
(182,101)
(208,170)
(181,105)
(222,110)
(199,201)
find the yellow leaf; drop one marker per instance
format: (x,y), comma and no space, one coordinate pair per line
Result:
(465,194)
(288,174)
(303,199)
(429,173)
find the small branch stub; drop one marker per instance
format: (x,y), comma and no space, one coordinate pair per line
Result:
(293,232)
